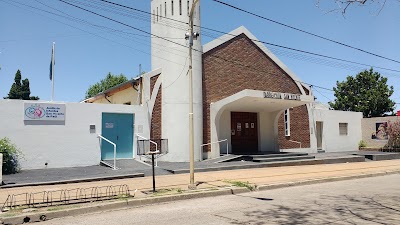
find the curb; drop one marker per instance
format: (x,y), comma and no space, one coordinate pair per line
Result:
(74,180)
(303,162)
(41,216)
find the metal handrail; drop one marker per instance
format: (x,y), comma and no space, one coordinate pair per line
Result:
(152,142)
(298,142)
(227,147)
(115,149)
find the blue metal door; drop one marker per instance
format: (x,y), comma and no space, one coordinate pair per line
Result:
(117,128)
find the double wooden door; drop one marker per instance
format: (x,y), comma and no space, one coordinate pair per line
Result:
(244,132)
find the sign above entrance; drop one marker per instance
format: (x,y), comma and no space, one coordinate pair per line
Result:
(44,111)
(284,96)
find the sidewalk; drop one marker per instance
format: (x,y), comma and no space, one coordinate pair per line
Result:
(261,176)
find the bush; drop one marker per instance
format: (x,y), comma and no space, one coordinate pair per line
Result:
(11,156)
(362,144)
(393,130)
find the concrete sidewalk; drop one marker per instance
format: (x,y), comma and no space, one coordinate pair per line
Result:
(262,176)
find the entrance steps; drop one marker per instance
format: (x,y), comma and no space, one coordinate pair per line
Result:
(283,158)
(270,157)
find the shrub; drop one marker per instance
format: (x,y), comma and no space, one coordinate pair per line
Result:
(393,131)
(362,144)
(11,156)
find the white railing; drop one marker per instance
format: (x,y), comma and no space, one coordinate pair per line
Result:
(201,147)
(298,142)
(152,142)
(115,149)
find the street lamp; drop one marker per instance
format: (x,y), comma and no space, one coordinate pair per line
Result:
(190,36)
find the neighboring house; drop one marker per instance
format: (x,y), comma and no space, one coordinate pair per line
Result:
(374,130)
(128,93)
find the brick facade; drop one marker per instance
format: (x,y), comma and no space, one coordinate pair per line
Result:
(239,64)
(299,129)
(155,129)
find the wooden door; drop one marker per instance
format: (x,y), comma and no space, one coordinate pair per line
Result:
(244,132)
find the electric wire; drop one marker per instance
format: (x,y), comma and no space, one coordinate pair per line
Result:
(264,42)
(304,31)
(236,64)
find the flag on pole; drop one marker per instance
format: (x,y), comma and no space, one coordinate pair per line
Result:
(52,63)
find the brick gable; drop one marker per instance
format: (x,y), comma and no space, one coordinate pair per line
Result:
(239,64)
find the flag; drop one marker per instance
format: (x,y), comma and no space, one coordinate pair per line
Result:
(52,63)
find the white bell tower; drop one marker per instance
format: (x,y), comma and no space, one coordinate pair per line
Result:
(170,52)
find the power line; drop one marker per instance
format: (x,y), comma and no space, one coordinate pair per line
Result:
(238,63)
(116,21)
(230,61)
(85,30)
(263,42)
(304,31)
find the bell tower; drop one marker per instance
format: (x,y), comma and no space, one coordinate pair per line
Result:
(170,52)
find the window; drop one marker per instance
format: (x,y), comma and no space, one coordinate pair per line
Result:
(343,129)
(160,11)
(188,10)
(154,16)
(180,7)
(286,119)
(165,8)
(172,7)
(157,14)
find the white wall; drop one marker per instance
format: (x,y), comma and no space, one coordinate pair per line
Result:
(332,141)
(266,131)
(65,144)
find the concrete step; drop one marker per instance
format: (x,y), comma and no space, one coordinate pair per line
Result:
(250,165)
(283,158)
(279,155)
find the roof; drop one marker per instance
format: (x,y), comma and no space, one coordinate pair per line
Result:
(243,30)
(113,90)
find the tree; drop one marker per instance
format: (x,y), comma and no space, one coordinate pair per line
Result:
(108,82)
(20,90)
(343,5)
(367,93)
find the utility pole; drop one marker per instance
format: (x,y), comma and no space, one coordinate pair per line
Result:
(191,35)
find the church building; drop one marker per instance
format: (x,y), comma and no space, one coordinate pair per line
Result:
(245,100)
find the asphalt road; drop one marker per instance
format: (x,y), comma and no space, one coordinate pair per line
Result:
(363,201)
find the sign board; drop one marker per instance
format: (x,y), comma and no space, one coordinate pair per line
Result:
(284,96)
(44,111)
(239,127)
(109,125)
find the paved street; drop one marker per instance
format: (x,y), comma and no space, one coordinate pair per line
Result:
(363,201)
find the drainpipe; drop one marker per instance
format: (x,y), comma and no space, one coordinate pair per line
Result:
(105,96)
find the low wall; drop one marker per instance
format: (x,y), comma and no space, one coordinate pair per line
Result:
(373,131)
(332,141)
(68,143)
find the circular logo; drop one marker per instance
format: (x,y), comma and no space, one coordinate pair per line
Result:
(35,112)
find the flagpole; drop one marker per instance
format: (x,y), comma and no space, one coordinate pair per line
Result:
(52,72)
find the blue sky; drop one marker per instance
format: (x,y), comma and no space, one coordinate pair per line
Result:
(86,53)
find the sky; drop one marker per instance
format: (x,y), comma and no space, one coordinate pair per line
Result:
(88,47)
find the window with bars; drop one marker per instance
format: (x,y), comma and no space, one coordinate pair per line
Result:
(343,128)
(286,119)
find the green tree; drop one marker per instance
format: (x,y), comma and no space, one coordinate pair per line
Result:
(20,90)
(108,82)
(367,93)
